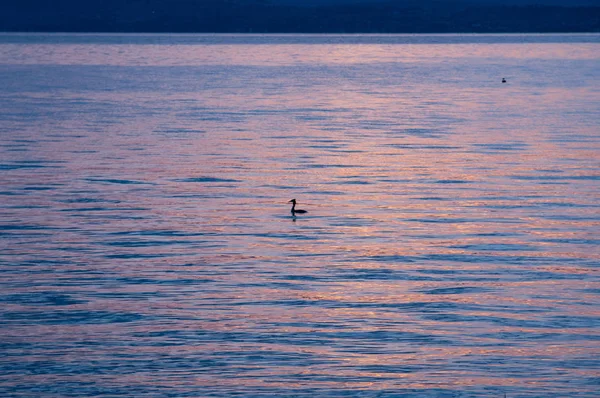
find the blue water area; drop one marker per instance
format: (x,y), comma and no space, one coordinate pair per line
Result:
(450,248)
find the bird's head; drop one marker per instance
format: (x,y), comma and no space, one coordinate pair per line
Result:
(292,201)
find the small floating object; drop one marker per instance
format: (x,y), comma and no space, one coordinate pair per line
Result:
(294,210)
(503,80)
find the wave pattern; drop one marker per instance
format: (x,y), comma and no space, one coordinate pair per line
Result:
(450,248)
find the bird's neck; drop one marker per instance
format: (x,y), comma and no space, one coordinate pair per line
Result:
(293,207)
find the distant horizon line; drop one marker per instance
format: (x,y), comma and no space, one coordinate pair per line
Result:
(298,33)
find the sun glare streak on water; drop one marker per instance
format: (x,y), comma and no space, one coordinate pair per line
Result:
(450,248)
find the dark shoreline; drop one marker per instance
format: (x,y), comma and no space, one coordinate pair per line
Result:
(219,16)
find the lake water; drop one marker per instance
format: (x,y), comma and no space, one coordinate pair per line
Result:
(451,244)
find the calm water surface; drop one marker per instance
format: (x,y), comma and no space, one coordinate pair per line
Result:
(451,247)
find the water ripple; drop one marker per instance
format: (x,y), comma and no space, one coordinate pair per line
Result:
(449,250)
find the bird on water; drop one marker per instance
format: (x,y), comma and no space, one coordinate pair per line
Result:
(294,211)
(503,80)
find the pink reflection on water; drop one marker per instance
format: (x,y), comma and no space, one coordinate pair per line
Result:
(456,223)
(286,54)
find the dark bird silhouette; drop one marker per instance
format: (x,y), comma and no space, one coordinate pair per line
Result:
(294,211)
(503,80)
